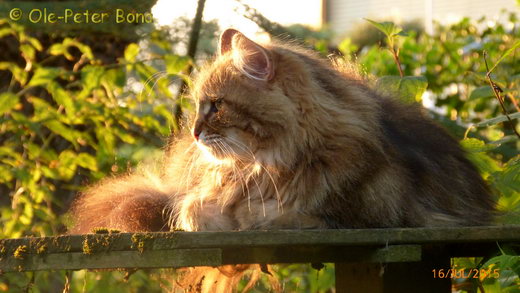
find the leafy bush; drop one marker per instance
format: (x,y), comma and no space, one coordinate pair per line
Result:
(62,128)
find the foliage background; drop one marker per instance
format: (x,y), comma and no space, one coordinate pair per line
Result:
(72,113)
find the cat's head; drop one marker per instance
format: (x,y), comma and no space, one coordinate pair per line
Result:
(251,101)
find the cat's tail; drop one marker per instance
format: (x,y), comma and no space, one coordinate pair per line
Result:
(131,203)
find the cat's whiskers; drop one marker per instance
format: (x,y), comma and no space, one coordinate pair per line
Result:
(155,78)
(236,170)
(254,172)
(188,178)
(243,182)
(218,144)
(257,163)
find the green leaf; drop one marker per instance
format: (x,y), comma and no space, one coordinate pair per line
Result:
(124,136)
(106,140)
(386,27)
(131,52)
(176,64)
(475,145)
(87,161)
(508,181)
(476,154)
(115,77)
(509,51)
(9,152)
(67,164)
(6,31)
(91,76)
(346,47)
(34,42)
(60,129)
(7,102)
(505,262)
(59,49)
(62,98)
(62,49)
(44,75)
(481,92)
(408,89)
(18,73)
(42,110)
(27,51)
(498,119)
(5,174)
(505,139)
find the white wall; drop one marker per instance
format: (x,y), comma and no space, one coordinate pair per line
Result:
(343,15)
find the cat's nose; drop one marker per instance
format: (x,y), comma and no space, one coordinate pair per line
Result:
(196,133)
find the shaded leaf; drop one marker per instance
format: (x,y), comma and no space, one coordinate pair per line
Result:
(60,129)
(481,92)
(508,181)
(18,73)
(62,98)
(507,53)
(498,119)
(408,89)
(7,102)
(115,77)
(44,75)
(91,76)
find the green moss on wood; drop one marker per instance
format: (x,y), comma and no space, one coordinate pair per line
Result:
(104,230)
(20,252)
(41,248)
(86,247)
(139,240)
(3,250)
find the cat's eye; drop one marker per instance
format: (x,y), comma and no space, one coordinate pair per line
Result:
(215,105)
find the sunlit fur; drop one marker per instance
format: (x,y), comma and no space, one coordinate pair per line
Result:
(311,149)
(300,145)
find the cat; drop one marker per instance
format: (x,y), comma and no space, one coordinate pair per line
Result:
(282,139)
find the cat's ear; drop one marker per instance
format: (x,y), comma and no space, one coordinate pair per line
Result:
(251,59)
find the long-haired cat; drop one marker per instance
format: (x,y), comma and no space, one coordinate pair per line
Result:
(283,139)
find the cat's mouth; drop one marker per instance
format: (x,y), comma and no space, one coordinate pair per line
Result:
(214,147)
(221,147)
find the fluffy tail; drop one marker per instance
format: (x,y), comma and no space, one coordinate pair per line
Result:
(132,203)
(138,203)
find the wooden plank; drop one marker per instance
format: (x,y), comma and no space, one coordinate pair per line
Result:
(114,260)
(205,257)
(308,254)
(351,237)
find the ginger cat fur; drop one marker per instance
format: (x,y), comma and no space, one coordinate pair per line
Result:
(284,140)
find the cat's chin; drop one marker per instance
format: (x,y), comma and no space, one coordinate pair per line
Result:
(214,155)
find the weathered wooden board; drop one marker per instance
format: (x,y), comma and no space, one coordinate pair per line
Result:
(351,237)
(175,249)
(113,260)
(175,258)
